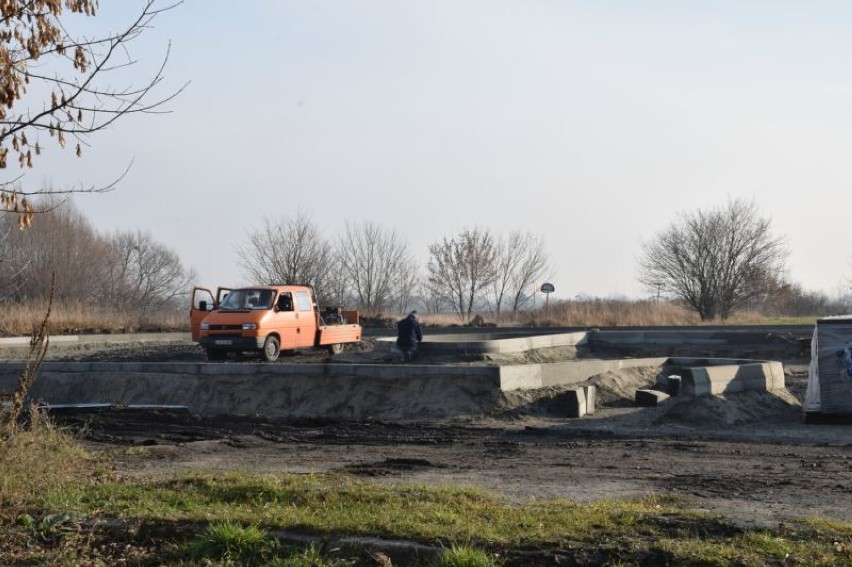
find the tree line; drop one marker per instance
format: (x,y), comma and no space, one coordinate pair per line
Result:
(373,268)
(714,262)
(367,266)
(122,270)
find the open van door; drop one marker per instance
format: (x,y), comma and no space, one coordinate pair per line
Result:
(203,303)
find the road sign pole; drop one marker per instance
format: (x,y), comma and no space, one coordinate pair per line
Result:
(547,289)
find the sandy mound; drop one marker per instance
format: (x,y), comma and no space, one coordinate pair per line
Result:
(735,409)
(534,356)
(618,388)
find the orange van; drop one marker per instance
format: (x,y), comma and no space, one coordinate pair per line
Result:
(267,319)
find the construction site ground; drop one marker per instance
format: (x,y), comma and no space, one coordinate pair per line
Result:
(747,457)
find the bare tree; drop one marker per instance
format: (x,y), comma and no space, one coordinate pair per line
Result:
(127,270)
(375,263)
(39,53)
(405,297)
(143,275)
(521,259)
(290,251)
(9,273)
(715,261)
(432,300)
(461,267)
(63,243)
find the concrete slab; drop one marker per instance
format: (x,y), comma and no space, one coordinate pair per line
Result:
(673,384)
(504,342)
(117,338)
(575,402)
(646,397)
(703,377)
(590,392)
(576,371)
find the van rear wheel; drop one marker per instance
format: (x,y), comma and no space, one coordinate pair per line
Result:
(335,349)
(271,349)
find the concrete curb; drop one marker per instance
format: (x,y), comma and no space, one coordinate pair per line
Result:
(17,342)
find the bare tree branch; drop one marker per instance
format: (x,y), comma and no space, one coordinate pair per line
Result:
(39,53)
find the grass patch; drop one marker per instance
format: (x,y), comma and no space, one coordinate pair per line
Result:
(232,542)
(334,504)
(234,514)
(41,459)
(466,556)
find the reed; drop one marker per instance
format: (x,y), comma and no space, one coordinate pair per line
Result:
(74,317)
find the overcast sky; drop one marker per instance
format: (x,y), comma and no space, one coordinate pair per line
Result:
(591,122)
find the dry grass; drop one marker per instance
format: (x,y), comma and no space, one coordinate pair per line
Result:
(39,458)
(78,317)
(611,313)
(587,313)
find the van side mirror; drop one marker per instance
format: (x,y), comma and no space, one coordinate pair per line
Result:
(202,305)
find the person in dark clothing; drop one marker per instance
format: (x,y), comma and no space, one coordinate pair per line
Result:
(408,336)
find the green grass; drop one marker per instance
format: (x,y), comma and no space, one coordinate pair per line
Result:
(51,490)
(331,504)
(229,541)
(465,556)
(39,459)
(474,526)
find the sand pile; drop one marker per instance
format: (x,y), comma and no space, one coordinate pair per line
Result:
(616,391)
(742,408)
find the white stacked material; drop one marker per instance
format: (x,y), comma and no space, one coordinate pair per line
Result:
(830,374)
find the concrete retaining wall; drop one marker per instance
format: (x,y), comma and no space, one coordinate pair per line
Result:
(365,391)
(485,343)
(332,391)
(703,377)
(119,338)
(682,337)
(531,376)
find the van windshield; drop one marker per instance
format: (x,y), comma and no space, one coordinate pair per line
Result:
(247,299)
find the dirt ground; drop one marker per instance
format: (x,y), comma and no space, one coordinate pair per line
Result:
(747,457)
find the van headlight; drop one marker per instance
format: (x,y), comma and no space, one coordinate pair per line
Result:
(249,326)
(205,326)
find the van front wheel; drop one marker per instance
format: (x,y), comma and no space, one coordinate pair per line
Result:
(271,349)
(335,349)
